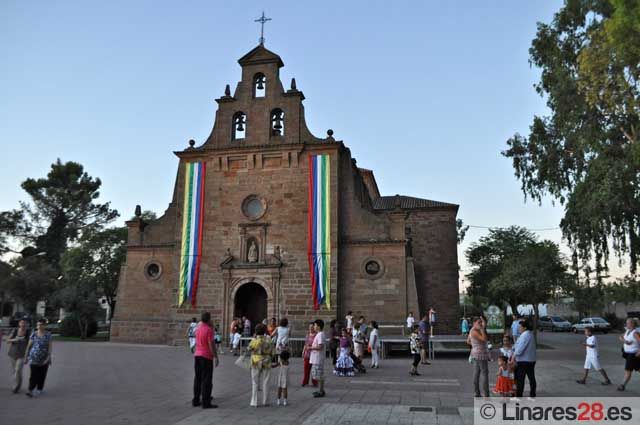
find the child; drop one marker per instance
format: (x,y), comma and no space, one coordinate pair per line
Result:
(235,342)
(283,377)
(318,353)
(191,334)
(504,384)
(415,345)
(592,358)
(349,319)
(344,363)
(374,345)
(507,351)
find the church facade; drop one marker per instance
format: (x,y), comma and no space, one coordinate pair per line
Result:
(268,220)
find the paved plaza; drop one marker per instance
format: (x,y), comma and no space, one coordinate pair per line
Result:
(107,383)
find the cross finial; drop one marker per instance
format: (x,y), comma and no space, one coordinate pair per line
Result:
(263,19)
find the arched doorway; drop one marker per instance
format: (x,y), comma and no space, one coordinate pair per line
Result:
(251,301)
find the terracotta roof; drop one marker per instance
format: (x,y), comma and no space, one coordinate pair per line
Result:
(408,203)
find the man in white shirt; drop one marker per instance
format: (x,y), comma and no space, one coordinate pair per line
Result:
(592,359)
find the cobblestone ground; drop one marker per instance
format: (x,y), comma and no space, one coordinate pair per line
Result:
(104,383)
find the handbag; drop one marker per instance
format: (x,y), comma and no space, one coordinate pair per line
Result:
(244,362)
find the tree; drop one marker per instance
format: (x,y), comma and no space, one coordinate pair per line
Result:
(585,154)
(63,208)
(461,228)
(534,275)
(91,270)
(32,280)
(487,258)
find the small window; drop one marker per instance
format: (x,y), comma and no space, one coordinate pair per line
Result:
(153,270)
(259,85)
(277,122)
(239,126)
(254,207)
(372,267)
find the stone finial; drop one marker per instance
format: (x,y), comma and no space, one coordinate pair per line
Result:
(330,133)
(397,202)
(192,143)
(227,90)
(138,212)
(293,84)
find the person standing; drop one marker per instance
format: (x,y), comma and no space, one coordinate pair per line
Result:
(414,346)
(525,357)
(306,354)
(374,345)
(358,342)
(318,354)
(478,339)
(630,351)
(464,326)
(349,319)
(410,321)
(334,341)
(282,336)
(191,334)
(38,354)
(204,356)
(423,331)
(261,350)
(515,327)
(283,377)
(592,359)
(271,327)
(432,320)
(18,340)
(246,330)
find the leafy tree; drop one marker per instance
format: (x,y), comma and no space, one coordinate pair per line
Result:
(585,154)
(461,229)
(12,224)
(623,290)
(63,207)
(534,275)
(32,280)
(91,270)
(487,258)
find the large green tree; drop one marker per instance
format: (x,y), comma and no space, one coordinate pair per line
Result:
(63,207)
(585,153)
(91,270)
(487,258)
(31,279)
(533,276)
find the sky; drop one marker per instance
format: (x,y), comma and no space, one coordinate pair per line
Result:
(424,93)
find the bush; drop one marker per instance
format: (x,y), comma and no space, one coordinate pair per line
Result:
(71,327)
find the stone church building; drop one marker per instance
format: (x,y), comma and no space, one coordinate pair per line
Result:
(388,254)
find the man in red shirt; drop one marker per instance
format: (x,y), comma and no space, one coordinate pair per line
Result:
(205,355)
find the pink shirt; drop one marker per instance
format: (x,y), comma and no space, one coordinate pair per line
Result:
(204,336)
(317,356)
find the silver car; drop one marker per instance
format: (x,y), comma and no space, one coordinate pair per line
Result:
(554,323)
(597,323)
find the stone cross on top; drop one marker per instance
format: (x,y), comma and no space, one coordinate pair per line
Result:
(263,19)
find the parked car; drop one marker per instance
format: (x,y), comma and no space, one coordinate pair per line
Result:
(554,323)
(597,323)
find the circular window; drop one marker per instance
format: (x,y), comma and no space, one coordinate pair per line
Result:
(253,207)
(153,270)
(372,268)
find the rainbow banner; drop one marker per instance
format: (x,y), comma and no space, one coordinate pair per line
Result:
(319,223)
(192,218)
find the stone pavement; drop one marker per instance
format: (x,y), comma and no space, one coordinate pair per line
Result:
(108,383)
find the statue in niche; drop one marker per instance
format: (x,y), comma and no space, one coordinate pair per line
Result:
(252,253)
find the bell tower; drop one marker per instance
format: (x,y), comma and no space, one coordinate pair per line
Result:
(260,112)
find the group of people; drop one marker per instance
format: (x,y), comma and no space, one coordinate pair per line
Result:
(32,348)
(515,362)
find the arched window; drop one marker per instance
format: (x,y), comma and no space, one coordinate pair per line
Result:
(259,85)
(277,122)
(239,129)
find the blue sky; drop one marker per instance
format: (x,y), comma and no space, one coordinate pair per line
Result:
(424,93)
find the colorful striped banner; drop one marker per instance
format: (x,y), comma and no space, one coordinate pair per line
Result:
(192,219)
(319,224)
